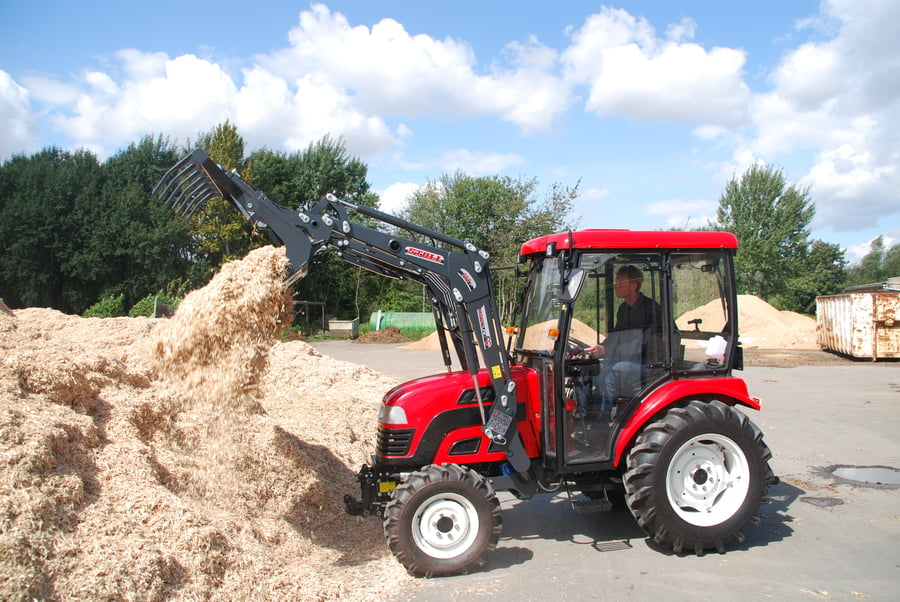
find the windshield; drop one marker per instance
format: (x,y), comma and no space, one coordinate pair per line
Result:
(538,331)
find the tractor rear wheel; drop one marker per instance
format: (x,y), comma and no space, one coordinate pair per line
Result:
(444,519)
(697,476)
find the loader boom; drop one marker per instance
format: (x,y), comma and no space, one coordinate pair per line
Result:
(455,273)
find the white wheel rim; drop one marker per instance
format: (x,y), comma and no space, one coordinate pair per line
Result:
(445,525)
(707,480)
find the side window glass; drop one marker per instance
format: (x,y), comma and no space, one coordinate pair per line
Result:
(700,301)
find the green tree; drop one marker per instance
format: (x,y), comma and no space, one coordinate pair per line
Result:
(134,244)
(890,267)
(877,265)
(771,221)
(41,227)
(73,231)
(300,180)
(496,214)
(822,272)
(220,231)
(869,268)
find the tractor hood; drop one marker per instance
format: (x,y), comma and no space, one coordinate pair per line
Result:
(424,398)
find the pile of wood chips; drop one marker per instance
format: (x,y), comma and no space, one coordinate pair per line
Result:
(387,335)
(190,458)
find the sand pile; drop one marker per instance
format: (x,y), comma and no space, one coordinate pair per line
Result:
(126,476)
(761,325)
(430,341)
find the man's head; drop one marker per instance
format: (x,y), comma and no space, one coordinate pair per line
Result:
(628,283)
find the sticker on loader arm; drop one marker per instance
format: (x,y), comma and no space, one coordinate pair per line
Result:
(496,372)
(497,426)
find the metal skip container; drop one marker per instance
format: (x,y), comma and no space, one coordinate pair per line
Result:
(860,324)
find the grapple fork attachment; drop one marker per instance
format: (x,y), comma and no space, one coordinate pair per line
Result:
(187,186)
(196,179)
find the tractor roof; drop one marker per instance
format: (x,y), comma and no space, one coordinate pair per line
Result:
(632,239)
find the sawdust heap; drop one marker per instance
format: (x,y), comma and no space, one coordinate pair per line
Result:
(188,458)
(388,334)
(7,318)
(216,344)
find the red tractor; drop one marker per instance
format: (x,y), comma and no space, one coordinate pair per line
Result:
(615,379)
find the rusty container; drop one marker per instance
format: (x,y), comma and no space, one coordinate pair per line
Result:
(863,325)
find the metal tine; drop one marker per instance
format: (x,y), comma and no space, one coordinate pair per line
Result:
(183,180)
(200,203)
(195,188)
(191,199)
(185,201)
(173,177)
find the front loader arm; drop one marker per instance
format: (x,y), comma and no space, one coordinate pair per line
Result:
(456,274)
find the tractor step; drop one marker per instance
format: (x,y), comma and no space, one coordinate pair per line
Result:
(589,505)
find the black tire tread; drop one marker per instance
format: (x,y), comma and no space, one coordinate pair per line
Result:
(395,510)
(643,465)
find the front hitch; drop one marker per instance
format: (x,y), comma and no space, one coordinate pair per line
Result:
(376,488)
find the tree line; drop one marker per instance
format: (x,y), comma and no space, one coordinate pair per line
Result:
(75,232)
(777,260)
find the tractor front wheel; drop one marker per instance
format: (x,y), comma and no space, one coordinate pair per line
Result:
(443,520)
(697,476)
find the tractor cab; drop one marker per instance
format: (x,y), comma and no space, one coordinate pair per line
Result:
(612,320)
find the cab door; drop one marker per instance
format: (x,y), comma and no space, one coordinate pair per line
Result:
(616,349)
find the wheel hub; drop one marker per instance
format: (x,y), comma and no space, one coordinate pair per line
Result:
(445,525)
(700,476)
(708,479)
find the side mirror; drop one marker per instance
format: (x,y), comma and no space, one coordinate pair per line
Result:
(571,285)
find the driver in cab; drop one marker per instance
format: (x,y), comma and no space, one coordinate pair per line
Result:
(624,350)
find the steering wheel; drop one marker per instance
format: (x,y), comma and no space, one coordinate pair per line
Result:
(576,349)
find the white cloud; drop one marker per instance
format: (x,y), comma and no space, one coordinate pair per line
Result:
(97,111)
(683,214)
(49,92)
(390,72)
(632,72)
(142,66)
(839,97)
(593,194)
(478,163)
(396,197)
(186,95)
(810,75)
(333,78)
(857,191)
(275,114)
(16,120)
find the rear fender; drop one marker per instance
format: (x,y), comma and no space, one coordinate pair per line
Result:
(731,391)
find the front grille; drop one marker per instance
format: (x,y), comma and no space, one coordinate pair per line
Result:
(394,442)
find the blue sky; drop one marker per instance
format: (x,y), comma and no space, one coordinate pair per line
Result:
(650,106)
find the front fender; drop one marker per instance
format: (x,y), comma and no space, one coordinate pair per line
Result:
(732,391)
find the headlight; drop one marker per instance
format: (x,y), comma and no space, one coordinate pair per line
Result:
(392,415)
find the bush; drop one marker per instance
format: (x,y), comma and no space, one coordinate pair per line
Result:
(108,307)
(154,305)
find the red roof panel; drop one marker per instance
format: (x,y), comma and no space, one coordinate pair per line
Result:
(633,239)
